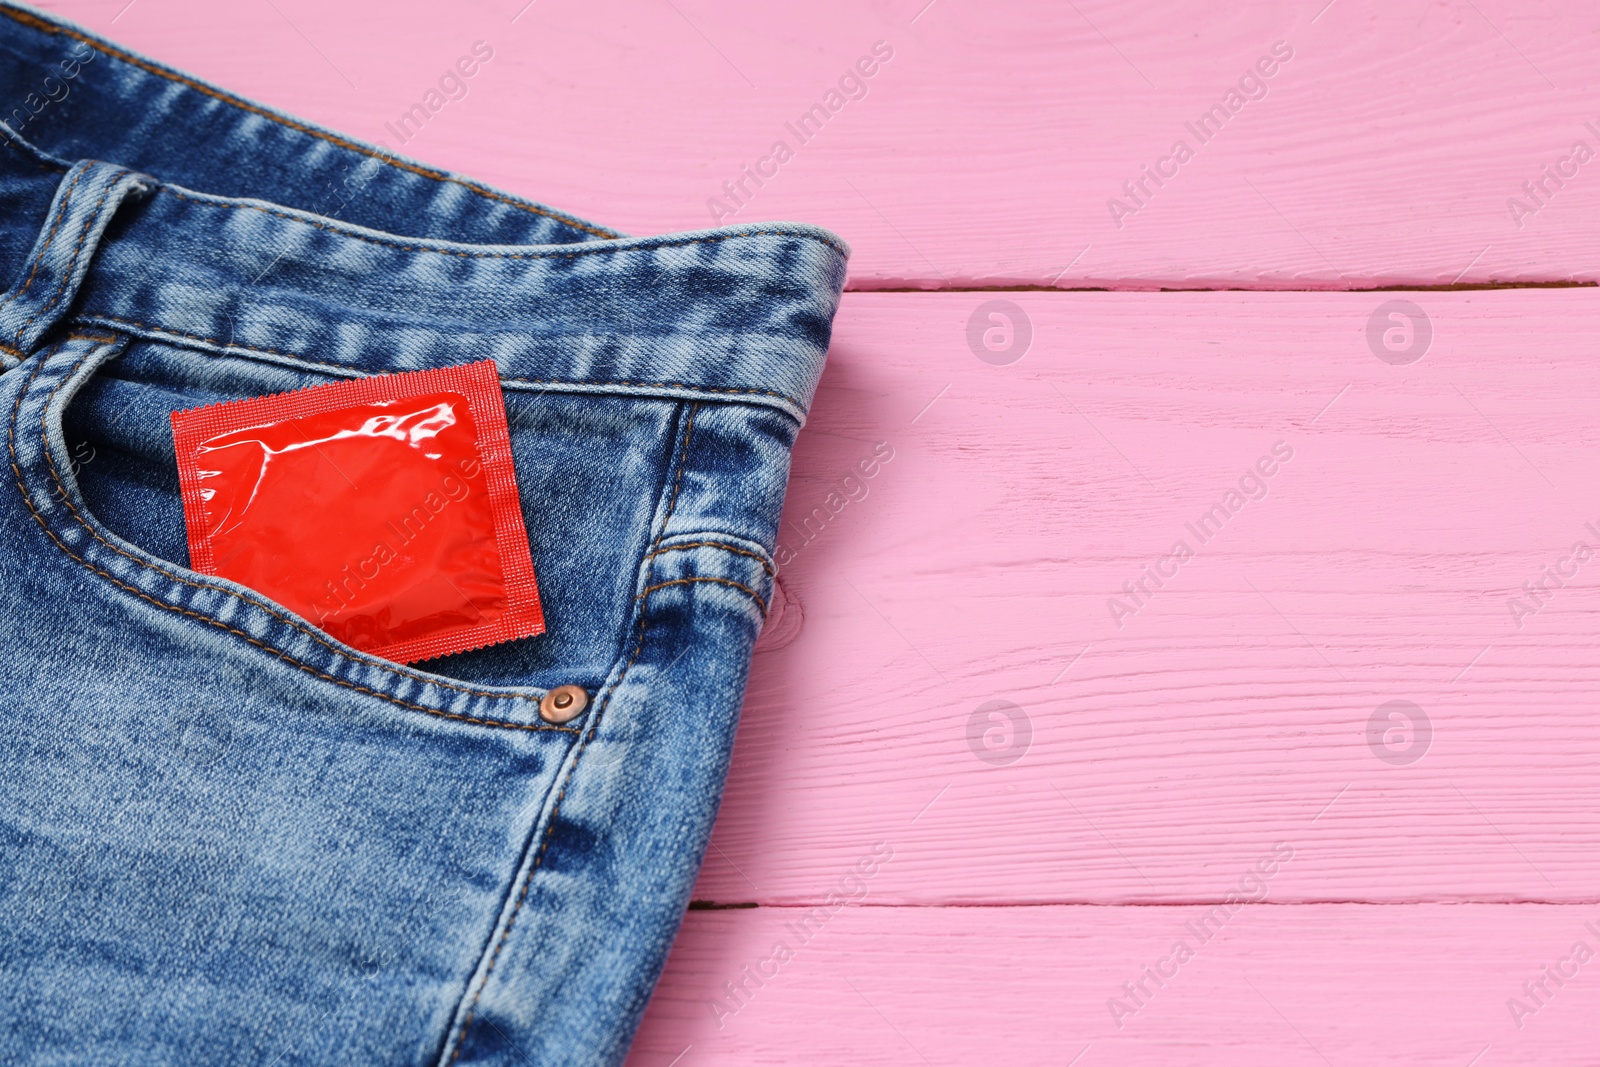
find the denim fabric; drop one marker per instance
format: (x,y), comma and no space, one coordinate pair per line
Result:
(224,836)
(80,97)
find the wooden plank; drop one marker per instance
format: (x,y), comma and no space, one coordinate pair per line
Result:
(1387,150)
(958,526)
(1420,985)
(1232,710)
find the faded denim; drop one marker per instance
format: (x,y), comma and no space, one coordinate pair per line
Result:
(224,836)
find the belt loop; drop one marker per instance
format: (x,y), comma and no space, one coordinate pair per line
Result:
(84,203)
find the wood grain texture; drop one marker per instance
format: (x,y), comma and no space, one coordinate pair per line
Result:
(1421,985)
(958,525)
(1231,711)
(985,152)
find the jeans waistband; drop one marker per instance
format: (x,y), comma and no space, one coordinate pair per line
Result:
(737,313)
(78,96)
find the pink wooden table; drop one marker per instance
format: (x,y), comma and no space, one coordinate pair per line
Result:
(1203,676)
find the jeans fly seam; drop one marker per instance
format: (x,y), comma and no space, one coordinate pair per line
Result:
(286,657)
(601,705)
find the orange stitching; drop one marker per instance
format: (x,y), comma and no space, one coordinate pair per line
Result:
(111,50)
(443,683)
(594,725)
(663,385)
(77,253)
(391,243)
(714,544)
(103,338)
(286,657)
(56,477)
(61,216)
(762,604)
(46,165)
(677,484)
(340,366)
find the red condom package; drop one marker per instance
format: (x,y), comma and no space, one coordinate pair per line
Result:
(384,509)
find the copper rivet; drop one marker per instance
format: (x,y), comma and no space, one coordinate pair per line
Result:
(563,703)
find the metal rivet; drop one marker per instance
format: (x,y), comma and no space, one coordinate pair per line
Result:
(563,703)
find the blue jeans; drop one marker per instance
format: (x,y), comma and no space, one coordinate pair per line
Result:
(224,836)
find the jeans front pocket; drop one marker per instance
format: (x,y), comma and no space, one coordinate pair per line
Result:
(223,837)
